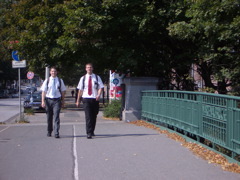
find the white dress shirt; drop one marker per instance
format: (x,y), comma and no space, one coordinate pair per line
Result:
(49,91)
(94,86)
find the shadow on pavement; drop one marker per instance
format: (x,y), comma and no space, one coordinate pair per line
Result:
(107,135)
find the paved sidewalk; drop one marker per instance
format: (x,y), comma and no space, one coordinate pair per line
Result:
(120,151)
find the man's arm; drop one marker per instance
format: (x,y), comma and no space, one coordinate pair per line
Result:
(43,99)
(80,92)
(99,94)
(63,97)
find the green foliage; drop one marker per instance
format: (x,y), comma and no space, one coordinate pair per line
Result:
(211,27)
(208,90)
(29,111)
(112,34)
(112,110)
(147,38)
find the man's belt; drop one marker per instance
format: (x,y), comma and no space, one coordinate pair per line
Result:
(54,99)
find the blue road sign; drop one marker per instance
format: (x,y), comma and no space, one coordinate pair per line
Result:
(115,81)
(15,56)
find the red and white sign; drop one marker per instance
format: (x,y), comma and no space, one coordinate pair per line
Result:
(115,90)
(30,75)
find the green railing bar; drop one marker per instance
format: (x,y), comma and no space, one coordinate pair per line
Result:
(211,116)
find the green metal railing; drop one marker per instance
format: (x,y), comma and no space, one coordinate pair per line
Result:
(204,115)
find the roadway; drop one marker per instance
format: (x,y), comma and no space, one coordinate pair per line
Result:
(9,108)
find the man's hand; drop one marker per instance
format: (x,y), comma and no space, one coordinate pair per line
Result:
(43,104)
(97,98)
(77,103)
(43,99)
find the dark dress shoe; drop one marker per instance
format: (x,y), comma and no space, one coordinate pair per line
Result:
(57,136)
(89,136)
(93,134)
(49,135)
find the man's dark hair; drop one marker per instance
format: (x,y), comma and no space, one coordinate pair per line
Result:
(89,64)
(54,67)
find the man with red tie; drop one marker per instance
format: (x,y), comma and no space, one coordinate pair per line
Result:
(89,89)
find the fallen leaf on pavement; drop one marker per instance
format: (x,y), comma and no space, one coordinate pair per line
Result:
(210,156)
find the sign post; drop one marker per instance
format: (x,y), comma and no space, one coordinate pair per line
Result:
(19,88)
(115,82)
(16,63)
(30,76)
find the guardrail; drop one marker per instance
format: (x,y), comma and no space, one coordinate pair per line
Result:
(210,116)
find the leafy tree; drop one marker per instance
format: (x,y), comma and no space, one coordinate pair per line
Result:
(213,26)
(7,73)
(40,28)
(146,37)
(34,24)
(112,34)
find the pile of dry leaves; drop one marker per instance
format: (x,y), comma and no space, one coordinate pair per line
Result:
(210,156)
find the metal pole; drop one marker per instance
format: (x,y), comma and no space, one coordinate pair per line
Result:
(47,72)
(19,86)
(108,93)
(115,91)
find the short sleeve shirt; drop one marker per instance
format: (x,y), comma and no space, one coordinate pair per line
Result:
(48,90)
(96,84)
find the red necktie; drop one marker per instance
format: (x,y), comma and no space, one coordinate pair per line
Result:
(90,85)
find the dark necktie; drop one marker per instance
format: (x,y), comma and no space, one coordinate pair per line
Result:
(90,85)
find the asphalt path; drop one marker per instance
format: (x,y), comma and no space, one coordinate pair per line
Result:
(119,151)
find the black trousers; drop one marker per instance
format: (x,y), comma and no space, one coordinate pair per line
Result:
(53,108)
(91,108)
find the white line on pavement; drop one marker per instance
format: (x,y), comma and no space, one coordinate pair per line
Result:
(75,154)
(4,129)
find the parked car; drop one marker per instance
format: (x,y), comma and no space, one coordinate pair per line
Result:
(31,90)
(12,91)
(15,95)
(4,93)
(34,101)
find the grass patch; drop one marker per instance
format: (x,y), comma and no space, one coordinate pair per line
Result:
(29,111)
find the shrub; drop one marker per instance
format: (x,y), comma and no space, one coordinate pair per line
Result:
(112,109)
(29,111)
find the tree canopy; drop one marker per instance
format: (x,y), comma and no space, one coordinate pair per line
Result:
(145,37)
(213,29)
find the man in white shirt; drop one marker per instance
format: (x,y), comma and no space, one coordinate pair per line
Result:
(53,94)
(90,88)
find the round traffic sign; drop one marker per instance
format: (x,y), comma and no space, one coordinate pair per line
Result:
(30,75)
(115,81)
